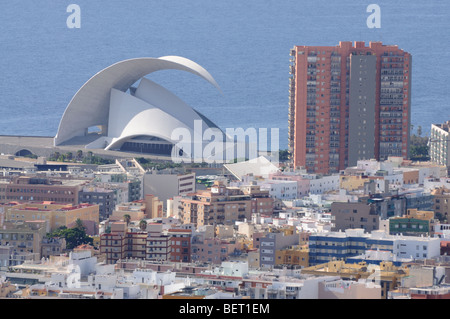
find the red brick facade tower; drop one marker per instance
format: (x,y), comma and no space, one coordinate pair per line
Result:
(348,102)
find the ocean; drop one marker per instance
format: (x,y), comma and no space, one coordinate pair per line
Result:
(244,44)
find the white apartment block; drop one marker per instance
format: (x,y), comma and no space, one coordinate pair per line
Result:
(280,189)
(439,144)
(416,247)
(324,184)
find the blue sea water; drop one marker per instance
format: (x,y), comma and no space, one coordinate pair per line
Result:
(244,44)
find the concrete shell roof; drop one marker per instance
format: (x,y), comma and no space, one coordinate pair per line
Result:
(90,105)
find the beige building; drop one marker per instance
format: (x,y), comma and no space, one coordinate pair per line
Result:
(410,176)
(135,209)
(52,247)
(23,237)
(441,203)
(387,275)
(224,231)
(147,208)
(223,205)
(6,289)
(293,256)
(353,182)
(153,206)
(354,215)
(56,215)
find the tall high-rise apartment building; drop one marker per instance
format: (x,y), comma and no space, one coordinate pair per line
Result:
(439,144)
(348,102)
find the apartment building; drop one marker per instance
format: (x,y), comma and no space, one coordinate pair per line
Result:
(414,223)
(23,237)
(326,247)
(270,243)
(386,275)
(212,250)
(349,94)
(417,247)
(112,245)
(56,215)
(33,188)
(439,144)
(441,203)
(149,207)
(180,245)
(166,184)
(293,256)
(158,246)
(218,205)
(104,198)
(52,247)
(323,247)
(354,215)
(153,244)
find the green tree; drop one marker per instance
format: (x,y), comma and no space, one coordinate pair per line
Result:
(143,224)
(419,148)
(283,155)
(79,224)
(54,156)
(73,236)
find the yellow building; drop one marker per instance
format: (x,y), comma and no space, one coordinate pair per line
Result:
(6,289)
(352,182)
(420,214)
(386,274)
(293,256)
(150,207)
(410,176)
(56,215)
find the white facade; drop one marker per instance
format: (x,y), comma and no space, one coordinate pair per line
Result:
(280,189)
(90,105)
(417,247)
(107,112)
(230,268)
(172,206)
(324,184)
(84,260)
(439,143)
(432,183)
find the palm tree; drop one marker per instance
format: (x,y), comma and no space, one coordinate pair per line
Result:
(143,224)
(127,218)
(56,156)
(79,224)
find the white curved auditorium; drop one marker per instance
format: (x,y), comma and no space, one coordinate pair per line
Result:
(141,119)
